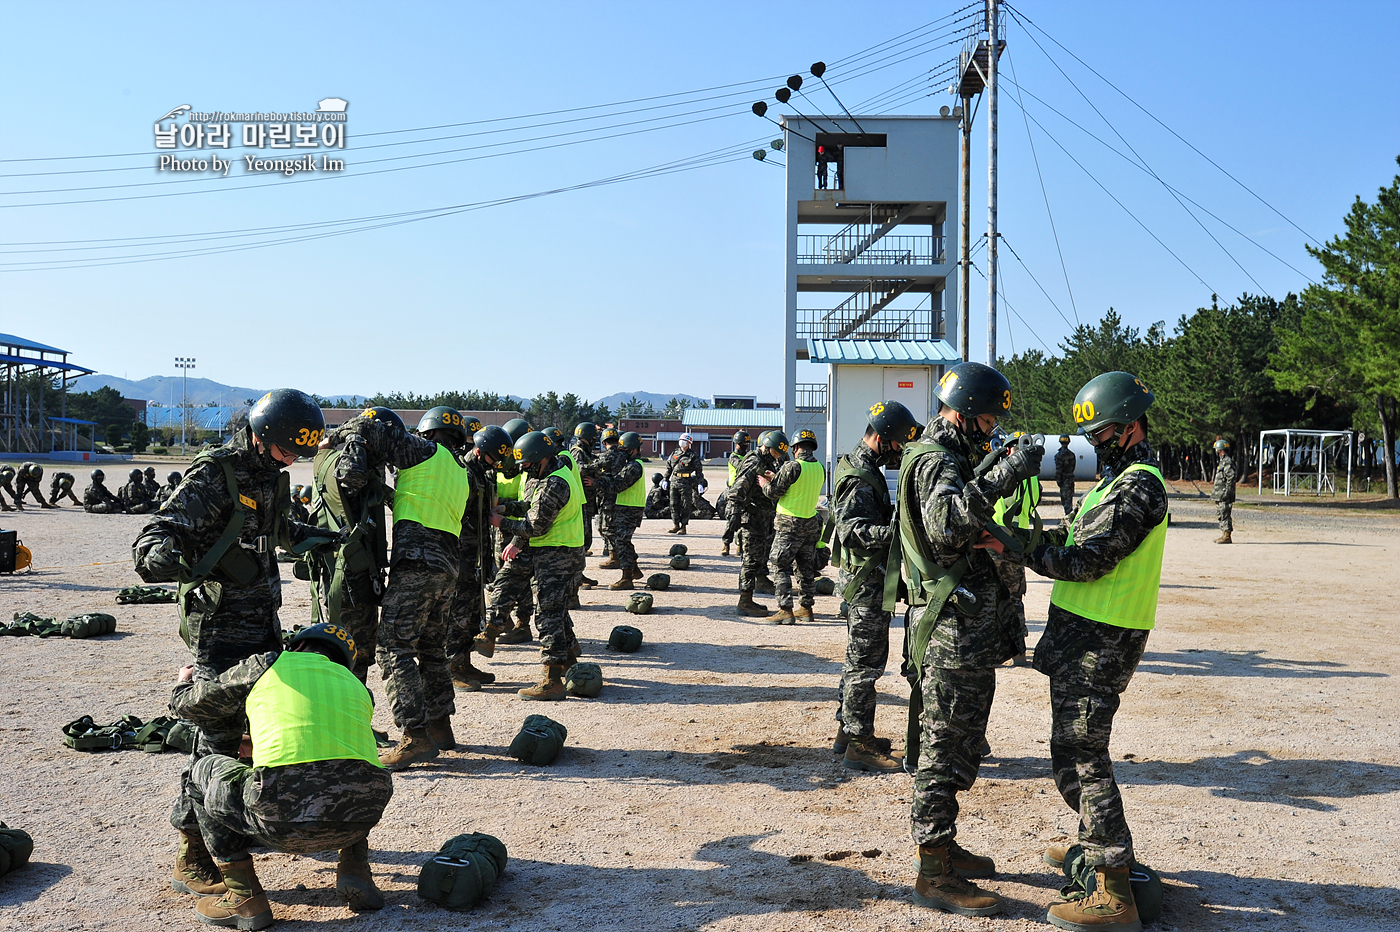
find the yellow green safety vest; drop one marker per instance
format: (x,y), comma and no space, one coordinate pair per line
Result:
(306,708)
(578,471)
(508,490)
(1030,500)
(635,495)
(567,529)
(434,493)
(800,500)
(734,462)
(1127,596)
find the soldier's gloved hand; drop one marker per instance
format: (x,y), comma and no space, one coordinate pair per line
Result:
(161,563)
(701,488)
(665,484)
(1020,464)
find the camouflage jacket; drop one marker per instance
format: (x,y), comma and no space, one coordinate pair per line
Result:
(1224,489)
(476,537)
(367,446)
(1064,465)
(1108,532)
(746,495)
(319,791)
(686,467)
(61,482)
(98,494)
(196,516)
(607,462)
(787,474)
(135,493)
(152,489)
(619,474)
(540,502)
(953,509)
(862,520)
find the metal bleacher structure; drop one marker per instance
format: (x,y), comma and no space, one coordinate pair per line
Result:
(27,422)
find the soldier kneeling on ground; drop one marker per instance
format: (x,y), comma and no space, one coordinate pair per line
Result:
(98,499)
(316,783)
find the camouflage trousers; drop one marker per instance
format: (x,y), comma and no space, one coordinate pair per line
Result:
(682,493)
(1089,665)
(32,489)
(104,508)
(1222,516)
(1013,577)
(589,510)
(605,525)
(510,590)
(626,520)
(555,570)
(243,624)
(522,599)
(359,614)
(55,496)
(9,490)
(465,616)
(795,545)
(412,648)
(867,652)
(755,540)
(1067,496)
(230,824)
(952,727)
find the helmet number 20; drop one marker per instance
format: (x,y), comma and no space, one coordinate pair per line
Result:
(1083,412)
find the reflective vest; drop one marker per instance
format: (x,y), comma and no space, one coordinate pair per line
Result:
(800,500)
(307,707)
(434,493)
(567,529)
(578,471)
(1127,596)
(1029,494)
(508,490)
(734,461)
(635,495)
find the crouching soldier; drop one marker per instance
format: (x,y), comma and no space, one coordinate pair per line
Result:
(61,487)
(98,499)
(316,783)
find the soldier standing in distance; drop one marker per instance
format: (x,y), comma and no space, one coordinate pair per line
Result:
(217,537)
(961,631)
(61,486)
(752,513)
(98,499)
(490,447)
(684,471)
(1065,462)
(582,450)
(796,528)
(1223,492)
(509,481)
(625,481)
(861,538)
(736,456)
(1017,512)
(1107,564)
(607,462)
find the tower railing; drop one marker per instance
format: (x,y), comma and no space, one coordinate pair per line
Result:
(844,248)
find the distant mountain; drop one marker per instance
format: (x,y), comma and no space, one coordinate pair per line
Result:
(159,388)
(657,401)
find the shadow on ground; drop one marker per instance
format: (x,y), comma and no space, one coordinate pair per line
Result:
(1199,662)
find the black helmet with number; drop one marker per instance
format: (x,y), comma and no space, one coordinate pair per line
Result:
(656,478)
(535,447)
(289,419)
(630,441)
(306,493)
(1111,398)
(381,413)
(134,475)
(150,472)
(554,434)
(171,477)
(326,633)
(806,438)
(35,471)
(444,417)
(610,435)
(1064,439)
(471,425)
(97,475)
(586,431)
(517,427)
(494,442)
(740,439)
(774,440)
(973,389)
(893,422)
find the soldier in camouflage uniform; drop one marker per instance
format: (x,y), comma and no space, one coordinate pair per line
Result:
(98,499)
(317,786)
(1108,566)
(607,462)
(172,482)
(624,485)
(658,501)
(490,447)
(60,487)
(796,529)
(861,536)
(546,523)
(7,478)
(152,486)
(429,497)
(742,442)
(509,482)
(956,642)
(27,482)
(751,514)
(583,450)
(1065,462)
(229,597)
(684,471)
(136,499)
(1016,513)
(1223,492)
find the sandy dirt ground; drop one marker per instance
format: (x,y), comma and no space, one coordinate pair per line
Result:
(1257,750)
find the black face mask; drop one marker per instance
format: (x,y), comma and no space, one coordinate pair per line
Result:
(1109,451)
(271,461)
(978,437)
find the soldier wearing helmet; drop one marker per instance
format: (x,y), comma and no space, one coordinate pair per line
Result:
(1065,463)
(625,483)
(135,497)
(1223,492)
(795,488)
(583,450)
(172,482)
(152,486)
(27,483)
(491,446)
(751,515)
(218,538)
(946,496)
(60,487)
(1107,566)
(607,462)
(685,472)
(658,500)
(741,443)
(861,537)
(315,783)
(7,478)
(98,499)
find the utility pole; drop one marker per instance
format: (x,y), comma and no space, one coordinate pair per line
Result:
(993,51)
(185,364)
(965,234)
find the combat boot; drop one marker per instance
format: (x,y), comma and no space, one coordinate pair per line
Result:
(243,904)
(682,529)
(1224,538)
(195,870)
(783,616)
(940,887)
(520,634)
(1055,855)
(765,586)
(725,552)
(414,747)
(550,688)
(634,571)
(1110,908)
(749,608)
(467,677)
(588,583)
(967,864)
(624,583)
(862,753)
(440,733)
(485,642)
(674,529)
(611,563)
(802,613)
(354,881)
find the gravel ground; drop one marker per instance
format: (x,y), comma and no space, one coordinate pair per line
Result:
(1257,749)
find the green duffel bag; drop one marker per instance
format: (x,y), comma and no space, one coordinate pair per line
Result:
(15,848)
(678,549)
(1145,882)
(91,625)
(680,562)
(540,740)
(463,872)
(659,581)
(825,585)
(640,603)
(180,737)
(625,638)
(584,680)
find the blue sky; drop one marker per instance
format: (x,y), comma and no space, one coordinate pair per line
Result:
(671,283)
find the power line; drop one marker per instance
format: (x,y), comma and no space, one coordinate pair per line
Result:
(1013,310)
(1005,243)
